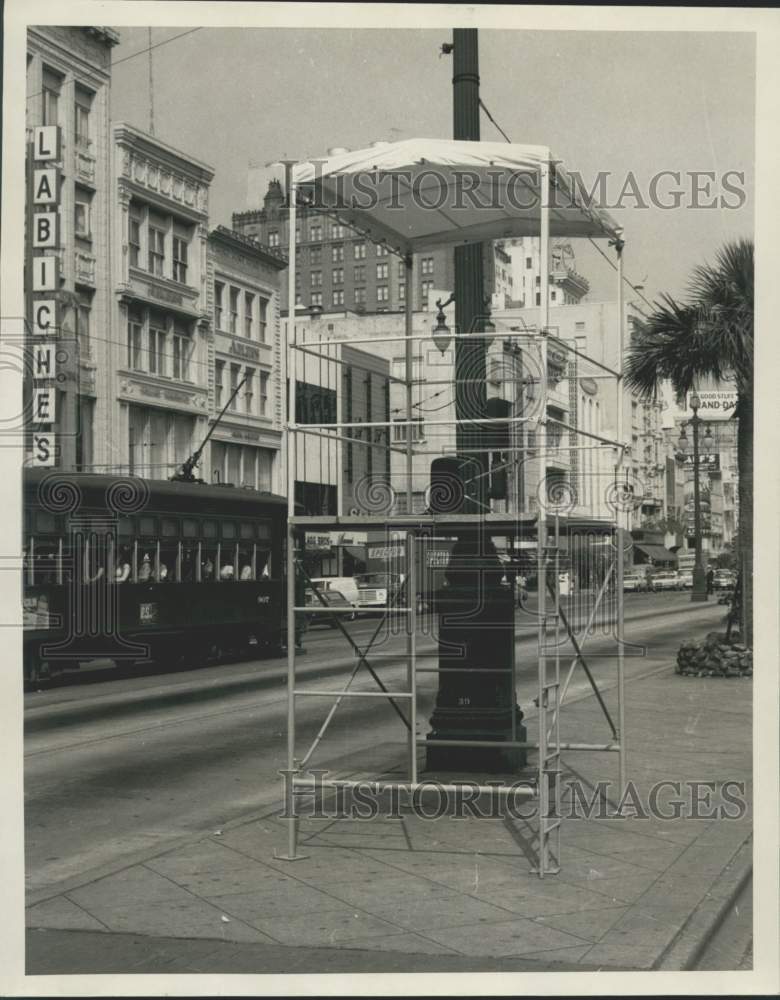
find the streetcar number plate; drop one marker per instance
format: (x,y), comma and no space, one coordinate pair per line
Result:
(147,612)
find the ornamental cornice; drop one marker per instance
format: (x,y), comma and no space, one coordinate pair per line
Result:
(158,180)
(147,147)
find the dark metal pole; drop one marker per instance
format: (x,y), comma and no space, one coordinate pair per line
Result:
(476,625)
(699,589)
(470,400)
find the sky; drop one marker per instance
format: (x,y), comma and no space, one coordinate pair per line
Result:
(622,102)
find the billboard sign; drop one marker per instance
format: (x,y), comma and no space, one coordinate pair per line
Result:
(707,462)
(715,404)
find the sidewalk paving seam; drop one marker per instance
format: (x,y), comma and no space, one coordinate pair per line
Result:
(678,954)
(88,912)
(324,891)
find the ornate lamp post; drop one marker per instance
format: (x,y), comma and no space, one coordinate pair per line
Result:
(699,591)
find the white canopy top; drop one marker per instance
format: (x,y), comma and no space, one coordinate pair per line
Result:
(421,193)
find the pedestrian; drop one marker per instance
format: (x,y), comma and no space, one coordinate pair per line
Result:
(122,571)
(145,572)
(710,581)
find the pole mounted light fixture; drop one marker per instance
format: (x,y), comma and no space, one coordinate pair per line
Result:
(442,336)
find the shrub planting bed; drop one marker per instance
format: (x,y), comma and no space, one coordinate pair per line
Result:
(715,657)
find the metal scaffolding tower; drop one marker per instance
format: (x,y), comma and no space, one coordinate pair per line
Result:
(552,527)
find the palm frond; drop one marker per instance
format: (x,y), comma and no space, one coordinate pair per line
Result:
(670,345)
(710,336)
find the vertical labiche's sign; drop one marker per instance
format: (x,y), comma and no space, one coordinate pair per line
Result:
(44,320)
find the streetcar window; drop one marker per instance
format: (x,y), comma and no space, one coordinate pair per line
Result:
(94,555)
(125,527)
(45,522)
(246,561)
(228,529)
(264,529)
(169,562)
(209,529)
(189,558)
(123,563)
(146,559)
(247,531)
(208,562)
(169,528)
(262,563)
(147,526)
(228,562)
(189,528)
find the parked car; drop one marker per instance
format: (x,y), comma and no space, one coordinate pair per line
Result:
(666,579)
(724,579)
(635,581)
(333,599)
(375,588)
(345,585)
(686,578)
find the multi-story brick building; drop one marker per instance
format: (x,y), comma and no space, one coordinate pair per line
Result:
(338,269)
(160,364)
(68,81)
(243,300)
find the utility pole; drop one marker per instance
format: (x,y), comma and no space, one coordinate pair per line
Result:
(476,698)
(470,371)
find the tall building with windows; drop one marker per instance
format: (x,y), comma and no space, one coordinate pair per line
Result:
(566,286)
(68,81)
(338,269)
(161,351)
(243,290)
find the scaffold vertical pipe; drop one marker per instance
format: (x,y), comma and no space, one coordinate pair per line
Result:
(556,727)
(411,650)
(408,326)
(292,823)
(541,520)
(619,630)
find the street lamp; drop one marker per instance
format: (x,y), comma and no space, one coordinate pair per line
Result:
(441,334)
(699,590)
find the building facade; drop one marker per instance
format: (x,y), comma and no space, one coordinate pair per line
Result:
(162,348)
(566,286)
(593,400)
(243,301)
(338,269)
(580,472)
(68,83)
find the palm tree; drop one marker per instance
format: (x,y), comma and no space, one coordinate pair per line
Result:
(709,337)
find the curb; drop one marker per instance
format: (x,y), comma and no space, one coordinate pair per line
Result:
(685,949)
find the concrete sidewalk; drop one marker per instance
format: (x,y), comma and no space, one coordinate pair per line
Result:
(406,893)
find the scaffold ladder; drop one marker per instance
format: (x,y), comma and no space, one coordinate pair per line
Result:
(548,710)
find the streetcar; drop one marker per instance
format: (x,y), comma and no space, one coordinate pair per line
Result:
(131,570)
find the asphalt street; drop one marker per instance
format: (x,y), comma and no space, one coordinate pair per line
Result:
(117,766)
